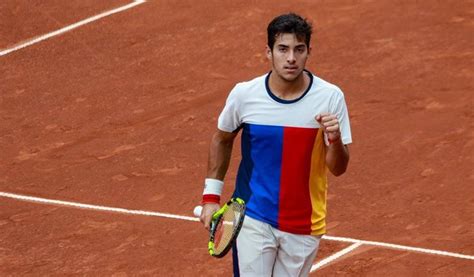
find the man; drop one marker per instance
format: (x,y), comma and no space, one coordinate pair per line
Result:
(294,126)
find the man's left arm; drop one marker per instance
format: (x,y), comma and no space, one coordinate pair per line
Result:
(337,155)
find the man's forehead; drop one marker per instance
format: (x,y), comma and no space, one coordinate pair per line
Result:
(287,38)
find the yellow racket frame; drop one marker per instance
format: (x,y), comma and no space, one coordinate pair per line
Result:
(215,218)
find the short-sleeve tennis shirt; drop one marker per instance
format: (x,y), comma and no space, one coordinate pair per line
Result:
(282,174)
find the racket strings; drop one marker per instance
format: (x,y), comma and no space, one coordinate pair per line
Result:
(227,226)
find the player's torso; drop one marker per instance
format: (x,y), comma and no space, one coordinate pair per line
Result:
(278,139)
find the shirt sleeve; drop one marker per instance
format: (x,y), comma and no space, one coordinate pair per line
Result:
(339,108)
(229,119)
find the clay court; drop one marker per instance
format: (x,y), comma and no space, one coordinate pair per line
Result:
(107,109)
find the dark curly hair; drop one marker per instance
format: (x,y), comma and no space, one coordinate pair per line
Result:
(290,23)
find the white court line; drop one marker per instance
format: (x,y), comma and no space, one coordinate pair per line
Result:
(70,27)
(93,207)
(148,213)
(401,247)
(334,256)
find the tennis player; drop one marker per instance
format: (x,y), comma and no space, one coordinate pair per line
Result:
(294,126)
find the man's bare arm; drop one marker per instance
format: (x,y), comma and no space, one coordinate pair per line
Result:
(220,152)
(337,156)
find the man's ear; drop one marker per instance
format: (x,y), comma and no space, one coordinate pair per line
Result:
(268,52)
(309,50)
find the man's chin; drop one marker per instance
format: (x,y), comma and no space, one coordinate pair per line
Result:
(290,77)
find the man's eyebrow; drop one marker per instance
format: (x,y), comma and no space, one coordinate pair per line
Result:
(287,46)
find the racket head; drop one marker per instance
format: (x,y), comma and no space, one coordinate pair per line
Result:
(225,227)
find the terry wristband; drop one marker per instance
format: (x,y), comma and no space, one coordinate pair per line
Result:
(212,191)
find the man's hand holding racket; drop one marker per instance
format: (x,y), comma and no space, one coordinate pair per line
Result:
(223,224)
(205,214)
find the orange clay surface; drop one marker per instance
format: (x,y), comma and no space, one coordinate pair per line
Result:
(120,112)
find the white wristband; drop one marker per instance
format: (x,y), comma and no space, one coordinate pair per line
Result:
(213,186)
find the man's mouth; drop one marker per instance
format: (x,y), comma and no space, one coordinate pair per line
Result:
(291,68)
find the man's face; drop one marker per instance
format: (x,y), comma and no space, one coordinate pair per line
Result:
(288,56)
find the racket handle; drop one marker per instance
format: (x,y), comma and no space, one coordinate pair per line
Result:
(197,211)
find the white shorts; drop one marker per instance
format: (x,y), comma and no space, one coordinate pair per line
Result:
(262,250)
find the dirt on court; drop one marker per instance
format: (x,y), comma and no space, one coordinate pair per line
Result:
(119,113)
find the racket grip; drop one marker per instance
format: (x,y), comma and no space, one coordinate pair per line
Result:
(197,211)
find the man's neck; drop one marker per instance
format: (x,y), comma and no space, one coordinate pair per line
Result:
(289,90)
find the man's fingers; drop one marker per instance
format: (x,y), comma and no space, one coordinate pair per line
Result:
(334,128)
(207,223)
(207,212)
(322,118)
(329,122)
(205,220)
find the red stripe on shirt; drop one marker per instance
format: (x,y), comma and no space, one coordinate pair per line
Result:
(295,208)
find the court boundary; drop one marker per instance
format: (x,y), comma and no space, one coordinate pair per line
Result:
(355,243)
(68,28)
(335,256)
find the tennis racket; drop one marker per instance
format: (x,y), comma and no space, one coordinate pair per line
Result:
(225,226)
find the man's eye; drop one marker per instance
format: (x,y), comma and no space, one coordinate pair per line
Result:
(282,49)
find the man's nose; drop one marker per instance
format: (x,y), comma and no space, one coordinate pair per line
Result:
(291,57)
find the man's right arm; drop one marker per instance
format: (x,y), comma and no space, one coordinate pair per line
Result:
(220,152)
